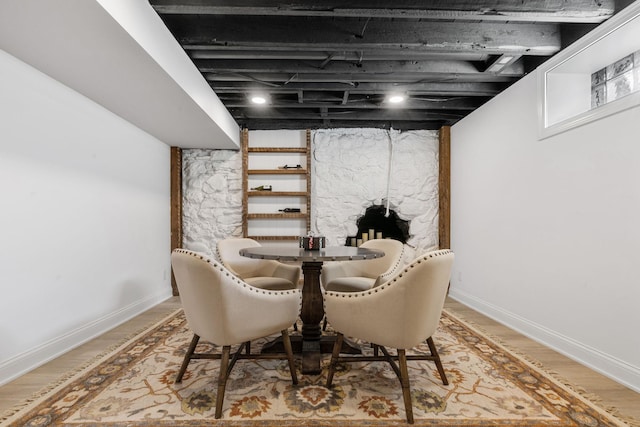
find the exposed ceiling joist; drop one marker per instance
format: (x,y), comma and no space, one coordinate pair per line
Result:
(503,11)
(209,51)
(326,34)
(432,88)
(372,103)
(327,64)
(368,68)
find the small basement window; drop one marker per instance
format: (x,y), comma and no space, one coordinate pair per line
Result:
(580,84)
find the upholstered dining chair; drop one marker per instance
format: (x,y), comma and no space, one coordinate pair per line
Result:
(261,273)
(352,276)
(401,313)
(226,311)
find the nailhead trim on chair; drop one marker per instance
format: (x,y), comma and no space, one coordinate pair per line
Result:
(392,272)
(395,279)
(235,278)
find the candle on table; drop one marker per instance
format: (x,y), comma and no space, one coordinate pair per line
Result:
(365,237)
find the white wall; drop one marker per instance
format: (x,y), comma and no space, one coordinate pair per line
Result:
(349,173)
(356,168)
(85,220)
(546,233)
(212,198)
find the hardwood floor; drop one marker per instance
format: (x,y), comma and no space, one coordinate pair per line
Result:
(28,384)
(611,393)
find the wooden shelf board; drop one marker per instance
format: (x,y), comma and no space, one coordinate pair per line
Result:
(283,215)
(277,172)
(302,150)
(276,193)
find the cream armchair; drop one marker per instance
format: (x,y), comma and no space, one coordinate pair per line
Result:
(351,276)
(401,313)
(224,310)
(261,273)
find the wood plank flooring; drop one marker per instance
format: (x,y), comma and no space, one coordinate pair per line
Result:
(25,386)
(611,393)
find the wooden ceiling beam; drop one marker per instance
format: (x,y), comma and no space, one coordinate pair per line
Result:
(411,104)
(343,67)
(344,34)
(355,79)
(198,52)
(429,89)
(569,11)
(366,101)
(347,115)
(317,123)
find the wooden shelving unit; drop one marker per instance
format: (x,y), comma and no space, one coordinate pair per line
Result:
(249,195)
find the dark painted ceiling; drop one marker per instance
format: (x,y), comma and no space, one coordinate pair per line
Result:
(324,64)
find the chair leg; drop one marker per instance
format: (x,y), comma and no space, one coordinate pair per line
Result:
(187,357)
(334,358)
(324,324)
(404,382)
(222,379)
(287,348)
(436,358)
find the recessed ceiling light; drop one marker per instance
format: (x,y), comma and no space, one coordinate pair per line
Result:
(396,99)
(257,99)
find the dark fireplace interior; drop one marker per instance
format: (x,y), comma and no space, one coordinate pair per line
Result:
(392,227)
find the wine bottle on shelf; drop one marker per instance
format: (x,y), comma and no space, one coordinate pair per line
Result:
(289,210)
(263,188)
(291,167)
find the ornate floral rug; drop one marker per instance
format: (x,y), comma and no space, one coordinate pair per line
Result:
(133,385)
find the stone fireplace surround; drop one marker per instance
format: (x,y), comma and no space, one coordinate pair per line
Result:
(350,172)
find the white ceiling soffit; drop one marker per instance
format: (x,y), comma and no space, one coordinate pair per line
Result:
(139,73)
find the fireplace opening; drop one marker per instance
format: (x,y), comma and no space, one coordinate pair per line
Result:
(391,227)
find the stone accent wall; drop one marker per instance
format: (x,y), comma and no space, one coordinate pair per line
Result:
(212,198)
(350,170)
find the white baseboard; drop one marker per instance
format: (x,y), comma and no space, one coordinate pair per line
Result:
(27,361)
(594,359)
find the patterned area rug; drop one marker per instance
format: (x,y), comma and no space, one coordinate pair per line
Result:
(133,386)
